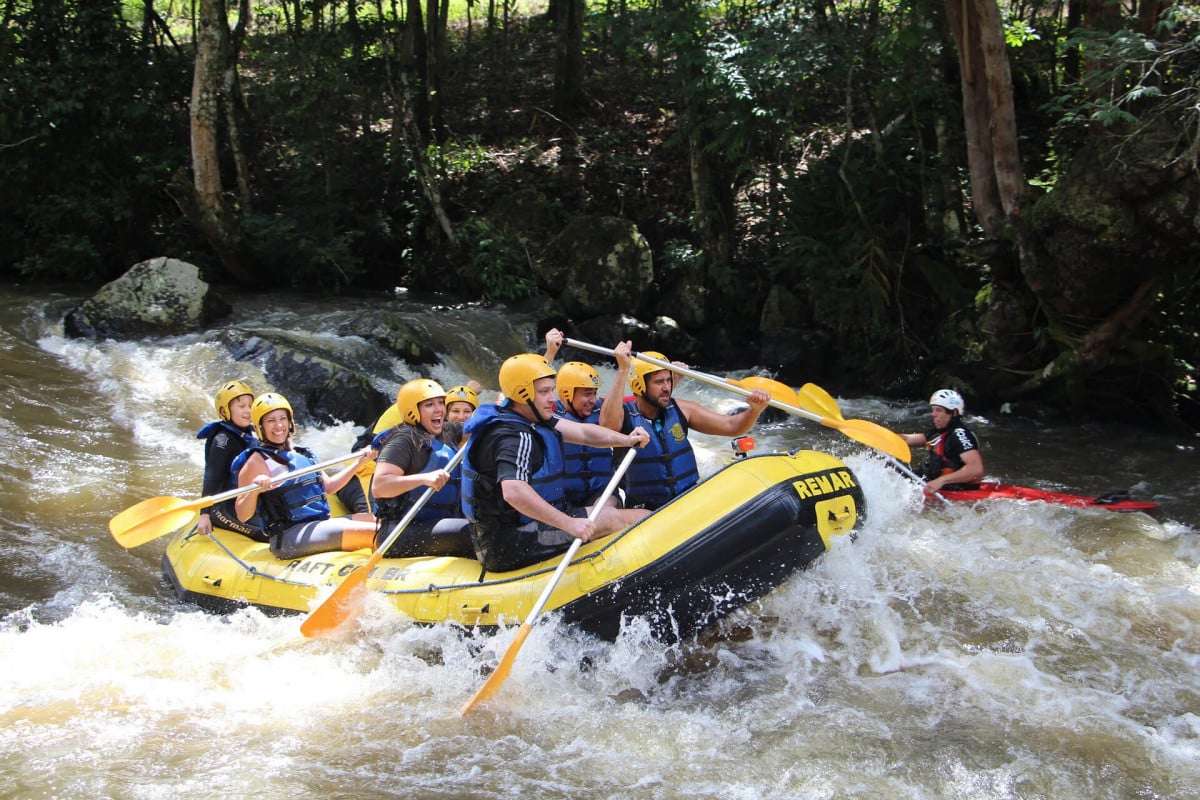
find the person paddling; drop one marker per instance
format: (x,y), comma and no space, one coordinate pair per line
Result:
(512,488)
(587,470)
(954,459)
(666,468)
(224,439)
(295,514)
(411,458)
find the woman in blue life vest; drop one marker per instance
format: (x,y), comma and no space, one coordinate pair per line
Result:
(295,514)
(954,459)
(512,485)
(412,458)
(225,439)
(666,467)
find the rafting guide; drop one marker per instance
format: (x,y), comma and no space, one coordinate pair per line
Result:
(954,459)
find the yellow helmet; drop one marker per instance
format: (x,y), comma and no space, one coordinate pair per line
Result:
(229,392)
(412,394)
(639,369)
(266,403)
(462,394)
(518,373)
(576,375)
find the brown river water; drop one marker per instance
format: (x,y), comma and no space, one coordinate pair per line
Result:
(1006,650)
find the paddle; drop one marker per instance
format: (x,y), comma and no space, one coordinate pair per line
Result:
(498,676)
(341,605)
(868,433)
(158,516)
(817,399)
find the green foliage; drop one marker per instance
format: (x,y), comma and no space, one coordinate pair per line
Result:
(495,264)
(1127,69)
(91,128)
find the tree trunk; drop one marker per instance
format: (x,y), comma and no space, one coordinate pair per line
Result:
(409,101)
(568,63)
(206,202)
(963,20)
(414,66)
(997,177)
(712,203)
(435,48)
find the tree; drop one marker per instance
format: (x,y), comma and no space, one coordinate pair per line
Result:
(217,98)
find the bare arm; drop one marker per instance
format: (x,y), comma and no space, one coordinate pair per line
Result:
(254,471)
(914,439)
(612,410)
(390,481)
(705,421)
(524,498)
(969,472)
(340,478)
(554,342)
(598,436)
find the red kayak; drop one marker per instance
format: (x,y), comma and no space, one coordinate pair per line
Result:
(989,490)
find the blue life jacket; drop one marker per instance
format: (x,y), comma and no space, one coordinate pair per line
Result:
(443,504)
(666,467)
(482,499)
(587,470)
(294,501)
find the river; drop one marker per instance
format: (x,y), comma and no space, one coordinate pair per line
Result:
(1006,650)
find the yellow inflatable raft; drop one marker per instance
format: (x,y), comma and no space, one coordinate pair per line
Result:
(726,542)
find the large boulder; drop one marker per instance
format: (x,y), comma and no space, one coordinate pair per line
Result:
(318,386)
(159,297)
(390,330)
(598,265)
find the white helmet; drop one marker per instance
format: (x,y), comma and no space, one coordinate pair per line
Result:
(949,400)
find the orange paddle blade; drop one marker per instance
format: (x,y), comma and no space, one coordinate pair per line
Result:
(492,684)
(151,519)
(344,603)
(778,391)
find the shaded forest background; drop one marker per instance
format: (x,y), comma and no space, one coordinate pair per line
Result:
(884,197)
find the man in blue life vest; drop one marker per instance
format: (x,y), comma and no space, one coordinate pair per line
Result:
(587,470)
(954,459)
(513,479)
(666,467)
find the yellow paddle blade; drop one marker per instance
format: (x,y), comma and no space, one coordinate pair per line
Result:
(816,399)
(872,435)
(344,603)
(492,684)
(778,391)
(151,519)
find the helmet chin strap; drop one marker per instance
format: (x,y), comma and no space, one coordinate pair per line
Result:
(536,414)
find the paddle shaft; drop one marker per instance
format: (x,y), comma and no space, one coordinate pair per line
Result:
(419,504)
(826,404)
(335,609)
(498,676)
(703,377)
(158,516)
(915,477)
(275,481)
(562,565)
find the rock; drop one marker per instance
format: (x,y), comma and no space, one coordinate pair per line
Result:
(393,332)
(159,297)
(318,386)
(598,266)
(796,356)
